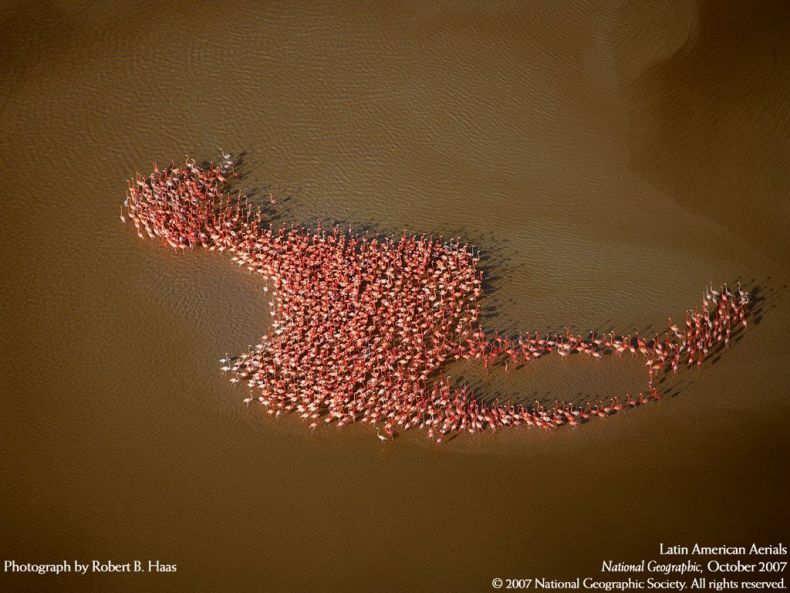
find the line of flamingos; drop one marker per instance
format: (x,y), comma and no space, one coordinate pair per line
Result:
(362,326)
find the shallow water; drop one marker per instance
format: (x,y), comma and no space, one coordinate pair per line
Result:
(609,160)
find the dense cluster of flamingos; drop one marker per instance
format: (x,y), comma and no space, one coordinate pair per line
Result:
(362,326)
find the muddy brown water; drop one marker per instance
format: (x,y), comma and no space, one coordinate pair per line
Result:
(611,159)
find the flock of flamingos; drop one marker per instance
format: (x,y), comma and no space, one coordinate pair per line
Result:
(362,326)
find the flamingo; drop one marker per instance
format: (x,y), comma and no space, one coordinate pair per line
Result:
(382,316)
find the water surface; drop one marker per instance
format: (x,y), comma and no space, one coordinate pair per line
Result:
(610,160)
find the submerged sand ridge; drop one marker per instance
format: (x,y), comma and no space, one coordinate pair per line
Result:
(362,326)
